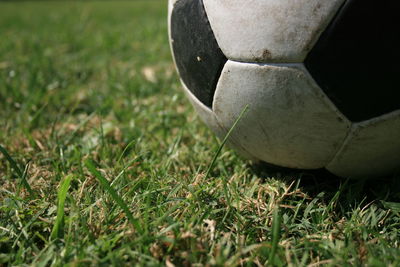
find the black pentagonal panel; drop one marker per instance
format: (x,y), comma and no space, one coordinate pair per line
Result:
(197,55)
(356,60)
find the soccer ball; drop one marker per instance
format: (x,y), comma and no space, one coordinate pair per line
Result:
(320,78)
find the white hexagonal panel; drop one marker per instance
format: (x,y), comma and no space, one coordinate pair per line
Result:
(269,30)
(290,122)
(371,149)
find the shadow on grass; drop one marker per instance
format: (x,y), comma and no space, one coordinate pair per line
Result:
(353,191)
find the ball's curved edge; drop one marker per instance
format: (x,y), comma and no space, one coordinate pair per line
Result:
(208,117)
(171,4)
(197,55)
(372,149)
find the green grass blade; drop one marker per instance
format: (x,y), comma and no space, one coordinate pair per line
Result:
(276,228)
(14,165)
(125,149)
(394,206)
(224,140)
(58,228)
(107,187)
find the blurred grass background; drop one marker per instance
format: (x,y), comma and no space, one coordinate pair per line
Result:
(64,54)
(108,159)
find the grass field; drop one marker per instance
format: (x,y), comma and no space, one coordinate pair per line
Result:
(103,160)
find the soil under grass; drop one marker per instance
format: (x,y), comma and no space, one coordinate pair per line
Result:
(103,160)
